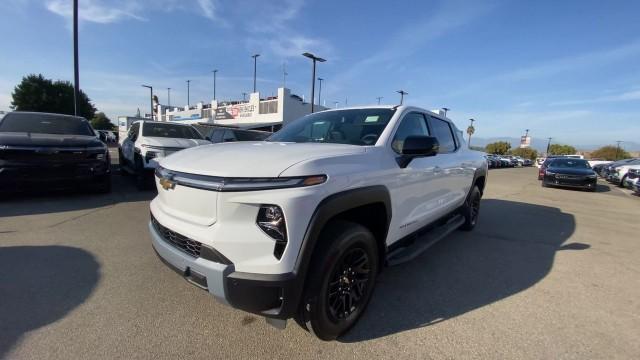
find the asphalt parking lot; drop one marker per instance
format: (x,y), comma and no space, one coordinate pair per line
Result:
(548,273)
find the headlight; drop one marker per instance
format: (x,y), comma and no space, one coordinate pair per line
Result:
(549,173)
(592,176)
(271,220)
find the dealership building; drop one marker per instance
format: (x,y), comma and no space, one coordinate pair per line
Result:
(268,113)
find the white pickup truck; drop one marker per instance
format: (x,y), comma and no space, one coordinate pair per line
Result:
(299,226)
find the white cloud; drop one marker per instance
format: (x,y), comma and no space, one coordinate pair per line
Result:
(94,11)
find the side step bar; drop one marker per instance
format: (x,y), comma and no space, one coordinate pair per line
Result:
(424,242)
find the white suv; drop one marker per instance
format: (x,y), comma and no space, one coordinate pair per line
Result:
(148,141)
(300,225)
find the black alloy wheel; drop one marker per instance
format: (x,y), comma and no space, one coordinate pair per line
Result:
(348,284)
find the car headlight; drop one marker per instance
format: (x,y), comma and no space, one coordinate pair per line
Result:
(549,173)
(593,176)
(271,220)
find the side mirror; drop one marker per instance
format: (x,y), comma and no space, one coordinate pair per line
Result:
(417,146)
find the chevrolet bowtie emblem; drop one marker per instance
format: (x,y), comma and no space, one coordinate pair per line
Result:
(167,184)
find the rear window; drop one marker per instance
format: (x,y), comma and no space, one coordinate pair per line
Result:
(570,163)
(45,124)
(251,135)
(170,131)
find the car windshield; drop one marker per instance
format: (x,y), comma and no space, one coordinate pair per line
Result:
(45,124)
(170,131)
(251,135)
(350,126)
(570,163)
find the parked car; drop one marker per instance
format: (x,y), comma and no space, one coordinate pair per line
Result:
(43,151)
(300,225)
(543,167)
(632,176)
(618,174)
(570,172)
(607,170)
(222,134)
(148,141)
(107,136)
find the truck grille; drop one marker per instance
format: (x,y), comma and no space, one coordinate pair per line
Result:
(180,242)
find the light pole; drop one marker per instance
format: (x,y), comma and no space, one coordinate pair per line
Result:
(244,96)
(214,83)
(548,145)
(618,148)
(335,104)
(445,111)
(470,131)
(255,67)
(150,89)
(379,98)
(76,72)
(313,74)
(168,96)
(284,75)
(319,90)
(402,94)
(188,90)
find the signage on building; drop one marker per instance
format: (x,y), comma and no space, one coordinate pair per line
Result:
(525,141)
(235,111)
(187,117)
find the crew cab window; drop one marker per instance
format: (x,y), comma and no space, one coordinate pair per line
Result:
(133,131)
(216,136)
(229,136)
(412,124)
(170,131)
(442,131)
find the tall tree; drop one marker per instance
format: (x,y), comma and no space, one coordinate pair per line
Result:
(610,153)
(558,149)
(36,93)
(498,147)
(102,122)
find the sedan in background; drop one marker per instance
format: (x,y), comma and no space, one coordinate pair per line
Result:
(569,172)
(43,151)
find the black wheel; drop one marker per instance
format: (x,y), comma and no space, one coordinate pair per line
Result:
(621,184)
(341,280)
(543,183)
(104,185)
(471,209)
(140,175)
(121,163)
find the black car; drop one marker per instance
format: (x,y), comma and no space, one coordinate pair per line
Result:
(43,151)
(222,134)
(569,172)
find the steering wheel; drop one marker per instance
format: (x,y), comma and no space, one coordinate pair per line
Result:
(369,139)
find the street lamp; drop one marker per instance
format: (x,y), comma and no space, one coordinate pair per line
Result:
(319,90)
(151,90)
(445,111)
(214,83)
(618,148)
(255,65)
(470,131)
(313,74)
(188,89)
(402,94)
(379,98)
(168,96)
(335,104)
(76,72)
(244,96)
(548,145)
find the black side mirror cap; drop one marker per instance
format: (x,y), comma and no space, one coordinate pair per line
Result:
(417,146)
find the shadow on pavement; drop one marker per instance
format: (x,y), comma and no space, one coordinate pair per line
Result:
(511,249)
(30,203)
(40,285)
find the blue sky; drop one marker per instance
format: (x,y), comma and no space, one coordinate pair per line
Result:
(563,69)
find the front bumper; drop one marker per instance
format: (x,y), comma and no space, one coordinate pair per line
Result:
(270,295)
(583,183)
(26,176)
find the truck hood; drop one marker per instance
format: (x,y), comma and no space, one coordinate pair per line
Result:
(251,159)
(48,140)
(173,142)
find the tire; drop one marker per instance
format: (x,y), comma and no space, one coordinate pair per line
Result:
(471,209)
(140,178)
(348,258)
(121,163)
(621,184)
(543,184)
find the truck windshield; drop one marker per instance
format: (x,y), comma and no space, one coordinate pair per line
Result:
(45,124)
(349,126)
(170,131)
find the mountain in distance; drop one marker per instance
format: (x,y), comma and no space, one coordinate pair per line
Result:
(540,144)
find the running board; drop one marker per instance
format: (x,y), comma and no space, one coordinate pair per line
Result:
(424,242)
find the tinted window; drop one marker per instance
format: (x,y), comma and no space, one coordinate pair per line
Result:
(170,131)
(228,136)
(442,131)
(250,135)
(350,126)
(216,136)
(569,163)
(133,131)
(411,124)
(45,124)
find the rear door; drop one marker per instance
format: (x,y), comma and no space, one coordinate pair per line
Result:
(128,145)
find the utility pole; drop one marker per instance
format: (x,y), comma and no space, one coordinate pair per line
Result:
(379,98)
(150,89)
(188,90)
(470,131)
(445,111)
(255,68)
(314,59)
(244,96)
(168,96)
(618,148)
(402,94)
(548,145)
(214,83)
(284,74)
(319,89)
(76,71)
